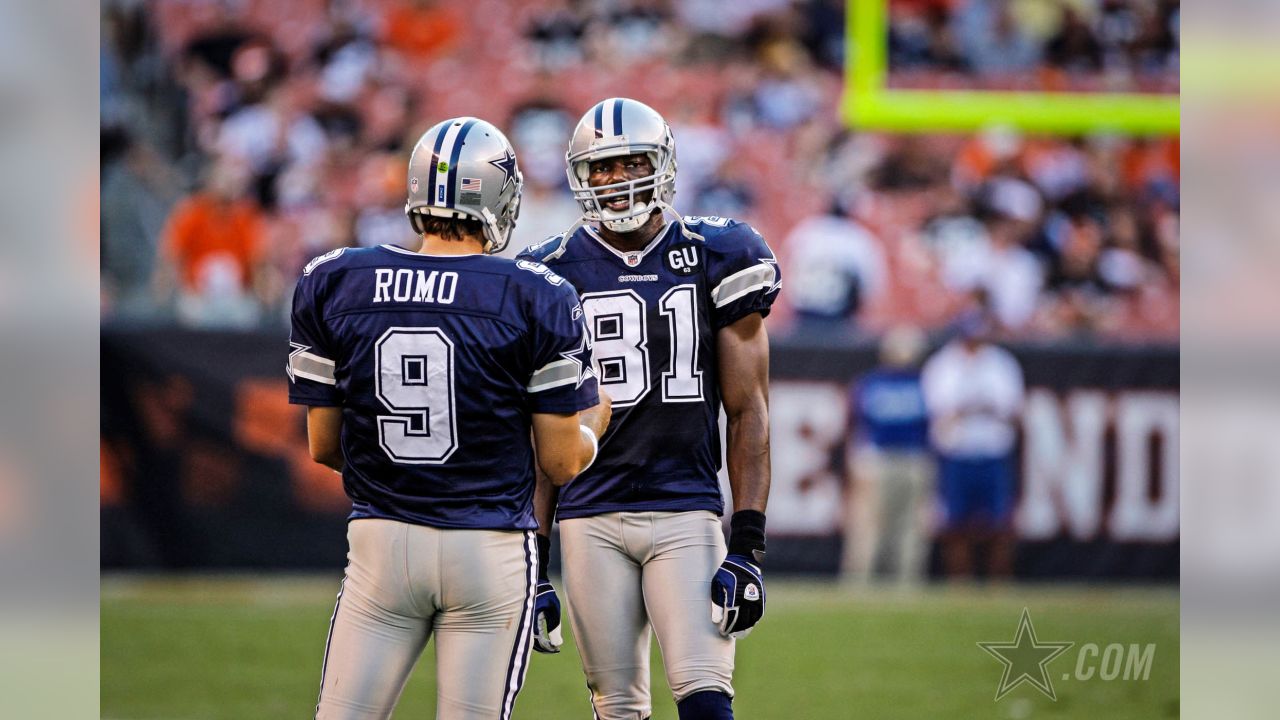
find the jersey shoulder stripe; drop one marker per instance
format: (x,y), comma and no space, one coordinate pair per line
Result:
(757,277)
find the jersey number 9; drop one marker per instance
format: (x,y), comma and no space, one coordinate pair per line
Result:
(415,383)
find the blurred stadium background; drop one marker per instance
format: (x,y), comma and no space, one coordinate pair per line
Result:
(912,162)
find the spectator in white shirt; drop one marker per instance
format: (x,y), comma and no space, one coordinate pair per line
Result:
(974,392)
(1013,277)
(836,264)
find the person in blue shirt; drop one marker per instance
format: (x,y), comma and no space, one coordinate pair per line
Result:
(425,375)
(891,474)
(675,308)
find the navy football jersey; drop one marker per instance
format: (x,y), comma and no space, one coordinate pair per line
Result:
(438,363)
(653,317)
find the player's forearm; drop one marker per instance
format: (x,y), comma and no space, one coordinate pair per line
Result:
(565,446)
(324,436)
(333,462)
(597,418)
(744,389)
(748,457)
(545,497)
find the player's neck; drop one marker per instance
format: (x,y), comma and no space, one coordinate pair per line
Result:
(636,239)
(436,245)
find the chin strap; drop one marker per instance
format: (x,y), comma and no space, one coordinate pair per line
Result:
(494,242)
(684,229)
(580,222)
(659,205)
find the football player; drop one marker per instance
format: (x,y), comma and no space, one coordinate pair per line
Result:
(425,374)
(675,308)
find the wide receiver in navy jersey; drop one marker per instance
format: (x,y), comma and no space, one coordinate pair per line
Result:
(675,308)
(425,375)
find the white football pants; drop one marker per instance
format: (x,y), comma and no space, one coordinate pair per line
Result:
(472,589)
(626,571)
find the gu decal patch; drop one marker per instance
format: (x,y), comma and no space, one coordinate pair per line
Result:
(683,259)
(413,184)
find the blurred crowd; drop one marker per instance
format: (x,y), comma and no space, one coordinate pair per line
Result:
(242,137)
(1113,45)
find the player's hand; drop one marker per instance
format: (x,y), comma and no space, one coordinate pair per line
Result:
(547,634)
(737,596)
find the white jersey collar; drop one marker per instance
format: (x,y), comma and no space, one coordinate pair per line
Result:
(415,253)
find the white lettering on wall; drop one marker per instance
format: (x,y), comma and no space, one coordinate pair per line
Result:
(1062,464)
(1136,516)
(1063,469)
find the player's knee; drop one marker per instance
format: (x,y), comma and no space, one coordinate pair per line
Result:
(620,706)
(689,676)
(706,705)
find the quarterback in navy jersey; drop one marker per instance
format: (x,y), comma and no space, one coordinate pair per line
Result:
(430,359)
(675,309)
(428,376)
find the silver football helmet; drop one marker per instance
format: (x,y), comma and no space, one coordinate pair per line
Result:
(621,126)
(465,168)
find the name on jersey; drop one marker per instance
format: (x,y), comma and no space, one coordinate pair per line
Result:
(638,278)
(405,285)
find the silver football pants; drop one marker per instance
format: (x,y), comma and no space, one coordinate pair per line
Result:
(471,589)
(626,572)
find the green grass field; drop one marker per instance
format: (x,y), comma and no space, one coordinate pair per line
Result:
(250,647)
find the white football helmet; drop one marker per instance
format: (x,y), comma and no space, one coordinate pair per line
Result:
(465,168)
(614,127)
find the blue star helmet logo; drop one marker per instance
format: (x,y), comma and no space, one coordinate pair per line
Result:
(507,164)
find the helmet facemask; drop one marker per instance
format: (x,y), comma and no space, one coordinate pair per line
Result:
(660,186)
(497,230)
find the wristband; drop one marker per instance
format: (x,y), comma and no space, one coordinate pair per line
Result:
(595,445)
(746,534)
(544,557)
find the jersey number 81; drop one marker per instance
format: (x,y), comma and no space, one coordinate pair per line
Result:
(619,334)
